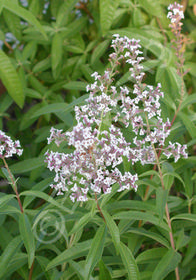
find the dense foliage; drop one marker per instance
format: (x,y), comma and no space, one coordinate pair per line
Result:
(49,52)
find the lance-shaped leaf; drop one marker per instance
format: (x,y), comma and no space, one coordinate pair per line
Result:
(25,14)
(10,79)
(96,250)
(129,262)
(28,237)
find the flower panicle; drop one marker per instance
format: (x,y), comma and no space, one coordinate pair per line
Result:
(99,144)
(8,147)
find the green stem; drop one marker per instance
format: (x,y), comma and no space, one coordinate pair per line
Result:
(13,185)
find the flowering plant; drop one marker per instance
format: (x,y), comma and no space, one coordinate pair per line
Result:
(99,144)
(125,199)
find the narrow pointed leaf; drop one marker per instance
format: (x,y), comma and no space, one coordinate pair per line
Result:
(8,254)
(27,237)
(77,251)
(167,264)
(25,14)
(96,250)
(129,262)
(113,229)
(10,79)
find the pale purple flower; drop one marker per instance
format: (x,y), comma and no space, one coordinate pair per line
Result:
(8,147)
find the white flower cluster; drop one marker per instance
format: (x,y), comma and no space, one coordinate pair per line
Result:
(99,145)
(8,147)
(176,13)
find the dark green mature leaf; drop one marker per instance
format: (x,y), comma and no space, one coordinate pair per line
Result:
(10,79)
(8,254)
(129,262)
(77,251)
(57,53)
(161,199)
(25,14)
(155,236)
(136,215)
(58,107)
(104,273)
(113,229)
(27,237)
(81,223)
(151,255)
(96,250)
(167,264)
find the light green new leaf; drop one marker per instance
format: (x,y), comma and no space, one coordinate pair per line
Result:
(114,230)
(107,11)
(8,254)
(77,251)
(56,54)
(96,250)
(25,14)
(10,79)
(152,7)
(129,262)
(167,264)
(27,237)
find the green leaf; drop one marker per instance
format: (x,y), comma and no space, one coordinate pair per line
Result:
(47,198)
(161,199)
(188,124)
(167,264)
(152,7)
(57,53)
(104,273)
(10,79)
(58,107)
(113,229)
(107,10)
(149,234)
(99,51)
(27,165)
(81,223)
(5,199)
(151,255)
(27,236)
(8,254)
(190,99)
(76,85)
(77,251)
(96,250)
(136,215)
(25,14)
(129,262)
(63,12)
(189,217)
